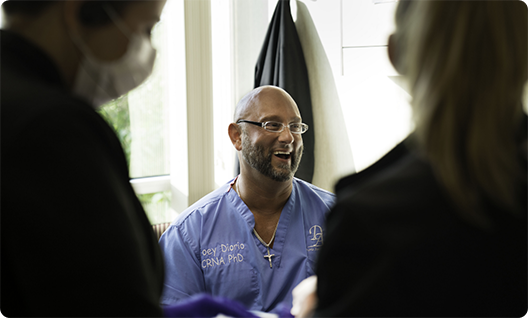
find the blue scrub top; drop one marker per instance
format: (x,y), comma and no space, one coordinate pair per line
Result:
(211,248)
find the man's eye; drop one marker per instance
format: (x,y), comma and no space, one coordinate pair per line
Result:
(295,126)
(273,126)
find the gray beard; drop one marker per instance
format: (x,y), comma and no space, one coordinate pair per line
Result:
(255,157)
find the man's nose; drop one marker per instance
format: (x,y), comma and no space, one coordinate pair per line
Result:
(286,136)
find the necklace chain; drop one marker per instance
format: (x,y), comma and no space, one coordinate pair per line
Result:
(261,240)
(255,231)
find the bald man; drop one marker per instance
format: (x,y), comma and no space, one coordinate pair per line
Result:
(255,238)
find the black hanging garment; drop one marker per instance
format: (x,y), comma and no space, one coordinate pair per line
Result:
(281,63)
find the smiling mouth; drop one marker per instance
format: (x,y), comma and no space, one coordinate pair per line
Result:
(282,154)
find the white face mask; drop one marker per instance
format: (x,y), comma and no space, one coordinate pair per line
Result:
(99,82)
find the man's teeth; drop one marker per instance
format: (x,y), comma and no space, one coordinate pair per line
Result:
(282,153)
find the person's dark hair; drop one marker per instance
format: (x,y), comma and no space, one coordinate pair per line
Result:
(92,13)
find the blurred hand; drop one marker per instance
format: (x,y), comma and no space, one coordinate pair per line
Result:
(304,298)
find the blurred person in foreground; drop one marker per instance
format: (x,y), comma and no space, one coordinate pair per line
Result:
(75,238)
(438,226)
(257,236)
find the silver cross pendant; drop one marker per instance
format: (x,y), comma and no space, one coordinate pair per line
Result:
(269,257)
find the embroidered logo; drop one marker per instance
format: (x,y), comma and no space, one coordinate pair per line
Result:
(317,233)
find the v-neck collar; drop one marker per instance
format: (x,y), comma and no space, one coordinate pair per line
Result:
(282,227)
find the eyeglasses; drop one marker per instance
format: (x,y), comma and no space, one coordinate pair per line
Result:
(273,126)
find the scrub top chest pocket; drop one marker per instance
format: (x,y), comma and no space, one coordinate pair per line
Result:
(227,271)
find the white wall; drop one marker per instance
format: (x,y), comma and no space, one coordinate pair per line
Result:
(250,19)
(360,110)
(333,153)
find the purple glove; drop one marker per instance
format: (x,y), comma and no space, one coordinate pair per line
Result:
(203,305)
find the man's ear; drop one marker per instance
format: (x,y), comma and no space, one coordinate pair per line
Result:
(235,134)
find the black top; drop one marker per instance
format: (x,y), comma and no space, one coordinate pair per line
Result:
(75,240)
(395,246)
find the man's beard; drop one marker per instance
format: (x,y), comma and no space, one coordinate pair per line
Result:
(254,155)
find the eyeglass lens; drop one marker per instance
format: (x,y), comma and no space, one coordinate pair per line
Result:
(277,127)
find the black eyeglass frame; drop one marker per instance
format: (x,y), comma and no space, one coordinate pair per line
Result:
(264,124)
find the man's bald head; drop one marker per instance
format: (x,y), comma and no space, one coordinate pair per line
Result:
(246,105)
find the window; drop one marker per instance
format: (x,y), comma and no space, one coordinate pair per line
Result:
(223,99)
(174,126)
(141,120)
